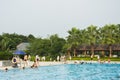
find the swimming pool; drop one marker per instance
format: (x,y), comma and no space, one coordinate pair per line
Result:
(65,72)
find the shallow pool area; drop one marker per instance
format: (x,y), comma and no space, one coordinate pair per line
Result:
(65,72)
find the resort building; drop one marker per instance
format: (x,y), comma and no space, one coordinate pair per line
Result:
(23,46)
(107,50)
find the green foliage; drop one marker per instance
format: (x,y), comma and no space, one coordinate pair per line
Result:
(47,47)
(92,35)
(6,55)
(95,59)
(32,58)
(54,45)
(115,59)
(81,58)
(10,41)
(39,47)
(48,58)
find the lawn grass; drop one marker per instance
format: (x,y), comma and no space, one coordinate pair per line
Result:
(95,59)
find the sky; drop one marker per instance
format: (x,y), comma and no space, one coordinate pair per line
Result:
(43,18)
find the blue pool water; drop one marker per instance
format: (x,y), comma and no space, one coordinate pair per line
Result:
(65,72)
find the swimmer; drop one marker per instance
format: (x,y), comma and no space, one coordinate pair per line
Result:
(6,69)
(23,67)
(34,65)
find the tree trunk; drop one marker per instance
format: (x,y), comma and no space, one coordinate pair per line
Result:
(110,52)
(92,50)
(74,52)
(68,53)
(85,53)
(103,53)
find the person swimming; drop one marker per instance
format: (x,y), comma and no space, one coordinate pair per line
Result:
(6,69)
(34,65)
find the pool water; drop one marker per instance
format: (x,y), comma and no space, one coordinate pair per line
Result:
(65,72)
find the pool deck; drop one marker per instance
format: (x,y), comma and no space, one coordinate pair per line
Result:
(49,63)
(30,63)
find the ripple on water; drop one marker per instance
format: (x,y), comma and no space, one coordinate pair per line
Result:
(65,72)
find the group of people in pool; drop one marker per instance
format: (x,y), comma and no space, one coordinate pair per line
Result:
(98,59)
(102,61)
(16,61)
(25,62)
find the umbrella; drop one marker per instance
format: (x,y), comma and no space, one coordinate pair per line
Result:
(19,52)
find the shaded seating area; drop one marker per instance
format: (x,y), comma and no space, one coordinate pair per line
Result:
(97,49)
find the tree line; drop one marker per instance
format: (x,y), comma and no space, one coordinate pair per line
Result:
(54,45)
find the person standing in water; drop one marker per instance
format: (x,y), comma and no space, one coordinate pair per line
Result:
(29,58)
(37,59)
(25,61)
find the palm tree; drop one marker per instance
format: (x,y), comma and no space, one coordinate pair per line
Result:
(117,31)
(67,49)
(92,31)
(108,36)
(73,39)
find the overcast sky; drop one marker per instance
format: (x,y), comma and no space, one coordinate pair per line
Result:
(45,17)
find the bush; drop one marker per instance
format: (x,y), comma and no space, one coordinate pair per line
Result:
(5,55)
(32,58)
(81,58)
(95,59)
(48,58)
